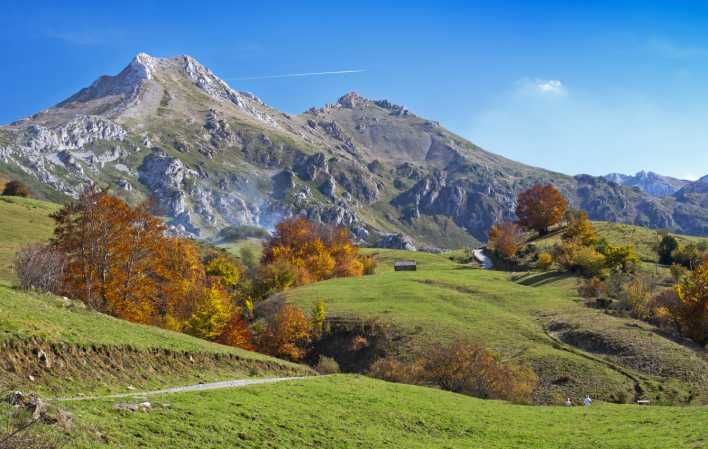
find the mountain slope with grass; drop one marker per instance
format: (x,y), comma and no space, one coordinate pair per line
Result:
(210,156)
(24,221)
(55,345)
(357,412)
(532,317)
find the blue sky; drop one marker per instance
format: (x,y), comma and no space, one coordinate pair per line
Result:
(614,86)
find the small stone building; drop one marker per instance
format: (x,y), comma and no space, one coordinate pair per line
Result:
(405,265)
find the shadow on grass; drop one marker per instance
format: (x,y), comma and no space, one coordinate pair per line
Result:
(543,278)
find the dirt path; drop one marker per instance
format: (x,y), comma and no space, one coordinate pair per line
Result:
(197,387)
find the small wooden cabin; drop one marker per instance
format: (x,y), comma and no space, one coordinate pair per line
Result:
(405,265)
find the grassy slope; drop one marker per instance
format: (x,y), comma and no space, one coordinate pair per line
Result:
(113,352)
(357,412)
(442,301)
(643,239)
(23,221)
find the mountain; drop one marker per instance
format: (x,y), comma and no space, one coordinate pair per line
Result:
(210,156)
(649,182)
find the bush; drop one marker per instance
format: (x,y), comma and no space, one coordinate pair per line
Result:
(622,258)
(242,232)
(544,262)
(689,255)
(391,369)
(39,267)
(505,239)
(327,365)
(462,367)
(287,334)
(369,264)
(468,368)
(592,288)
(16,188)
(580,229)
(580,259)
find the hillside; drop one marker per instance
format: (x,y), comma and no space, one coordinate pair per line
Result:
(357,412)
(90,352)
(642,239)
(535,317)
(211,156)
(23,221)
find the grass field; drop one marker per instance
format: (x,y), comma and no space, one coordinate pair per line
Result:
(515,316)
(357,412)
(23,221)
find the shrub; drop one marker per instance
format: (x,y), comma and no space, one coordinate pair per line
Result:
(580,229)
(369,264)
(242,232)
(545,260)
(589,262)
(592,288)
(391,369)
(505,239)
(236,333)
(39,267)
(692,291)
(327,365)
(468,368)
(622,258)
(287,334)
(462,367)
(688,255)
(16,188)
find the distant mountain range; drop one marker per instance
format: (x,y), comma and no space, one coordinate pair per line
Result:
(211,156)
(650,182)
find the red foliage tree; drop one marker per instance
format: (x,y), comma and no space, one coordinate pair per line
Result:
(540,207)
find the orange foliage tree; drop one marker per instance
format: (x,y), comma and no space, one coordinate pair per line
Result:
(692,292)
(540,207)
(119,261)
(505,238)
(287,334)
(111,251)
(301,252)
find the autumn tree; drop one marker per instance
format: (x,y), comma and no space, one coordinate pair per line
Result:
(16,188)
(692,291)
(287,334)
(301,252)
(211,315)
(505,238)
(580,229)
(540,207)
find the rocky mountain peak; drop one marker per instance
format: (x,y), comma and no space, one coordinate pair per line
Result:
(352,100)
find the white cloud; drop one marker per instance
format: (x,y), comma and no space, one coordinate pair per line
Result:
(554,87)
(540,87)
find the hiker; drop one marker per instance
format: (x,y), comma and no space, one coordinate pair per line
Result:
(568,402)
(587,401)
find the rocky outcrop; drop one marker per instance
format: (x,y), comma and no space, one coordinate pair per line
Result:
(396,241)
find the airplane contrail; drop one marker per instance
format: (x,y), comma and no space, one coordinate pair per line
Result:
(296,75)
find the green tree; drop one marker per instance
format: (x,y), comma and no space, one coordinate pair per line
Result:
(667,245)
